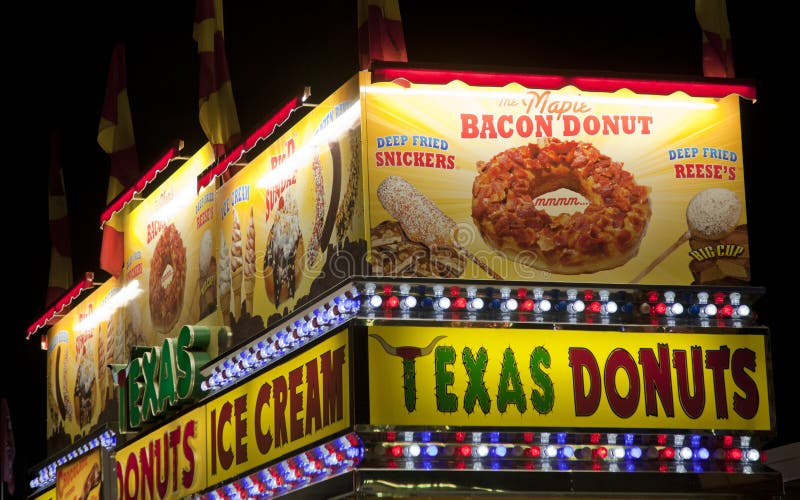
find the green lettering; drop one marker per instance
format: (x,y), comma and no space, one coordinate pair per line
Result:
(150,365)
(445,401)
(135,386)
(542,400)
(515,394)
(167,378)
(191,354)
(476,387)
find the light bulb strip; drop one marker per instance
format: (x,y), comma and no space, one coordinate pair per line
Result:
(46,476)
(321,462)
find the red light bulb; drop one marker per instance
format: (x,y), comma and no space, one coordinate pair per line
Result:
(594,437)
(534,451)
(454,291)
(387,289)
(661,439)
(726,310)
(601,452)
(391,436)
(392,302)
(719,298)
(527,305)
(594,306)
(464,450)
(588,295)
(460,436)
(652,296)
(395,451)
(736,454)
(460,303)
(727,441)
(521,293)
(527,437)
(660,308)
(668,453)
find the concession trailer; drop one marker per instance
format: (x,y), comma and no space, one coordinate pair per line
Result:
(434,284)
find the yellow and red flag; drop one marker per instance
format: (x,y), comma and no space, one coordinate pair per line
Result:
(218,116)
(115,136)
(60,279)
(380,32)
(712,15)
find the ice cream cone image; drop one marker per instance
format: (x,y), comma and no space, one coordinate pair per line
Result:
(224,281)
(236,264)
(250,264)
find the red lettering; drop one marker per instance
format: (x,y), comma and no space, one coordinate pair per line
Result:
(263,439)
(469,126)
(656,380)
(571,125)
(591,125)
(429,160)
(718,171)
(731,173)
(622,406)
(280,400)
(745,406)
(487,130)
(132,468)
(680,171)
(645,122)
(440,158)
(719,361)
(162,466)
(188,453)
(504,126)
(240,428)
(174,441)
(378,159)
(332,397)
(225,454)
(313,413)
(586,403)
(610,124)
(295,403)
(694,403)
(524,126)
(146,463)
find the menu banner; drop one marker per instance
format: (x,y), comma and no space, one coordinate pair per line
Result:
(501,377)
(283,410)
(169,252)
(290,223)
(168,463)
(80,478)
(80,392)
(515,183)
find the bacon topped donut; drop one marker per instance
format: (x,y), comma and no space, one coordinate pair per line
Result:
(604,236)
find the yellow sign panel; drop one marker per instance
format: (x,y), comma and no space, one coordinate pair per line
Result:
(47,495)
(285,409)
(555,185)
(80,393)
(80,478)
(167,463)
(290,223)
(567,378)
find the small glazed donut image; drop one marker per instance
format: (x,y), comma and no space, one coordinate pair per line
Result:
(167,279)
(605,235)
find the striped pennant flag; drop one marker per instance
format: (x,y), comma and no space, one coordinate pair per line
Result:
(712,15)
(218,116)
(380,32)
(115,136)
(60,279)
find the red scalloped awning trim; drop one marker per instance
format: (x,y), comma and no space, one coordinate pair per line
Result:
(553,82)
(262,133)
(62,303)
(126,196)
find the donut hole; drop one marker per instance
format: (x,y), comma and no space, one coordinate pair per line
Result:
(561,201)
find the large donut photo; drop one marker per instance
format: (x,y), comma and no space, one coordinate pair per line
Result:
(167,279)
(285,252)
(605,235)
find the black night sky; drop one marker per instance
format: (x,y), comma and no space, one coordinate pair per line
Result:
(57,62)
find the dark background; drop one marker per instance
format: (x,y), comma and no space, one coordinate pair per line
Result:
(57,61)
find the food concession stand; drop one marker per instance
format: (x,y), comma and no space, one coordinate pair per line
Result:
(433,283)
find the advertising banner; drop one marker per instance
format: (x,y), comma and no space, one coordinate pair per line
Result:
(291,222)
(568,379)
(80,392)
(81,478)
(283,410)
(166,463)
(555,185)
(169,252)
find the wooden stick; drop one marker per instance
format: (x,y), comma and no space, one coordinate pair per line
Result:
(480,263)
(683,239)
